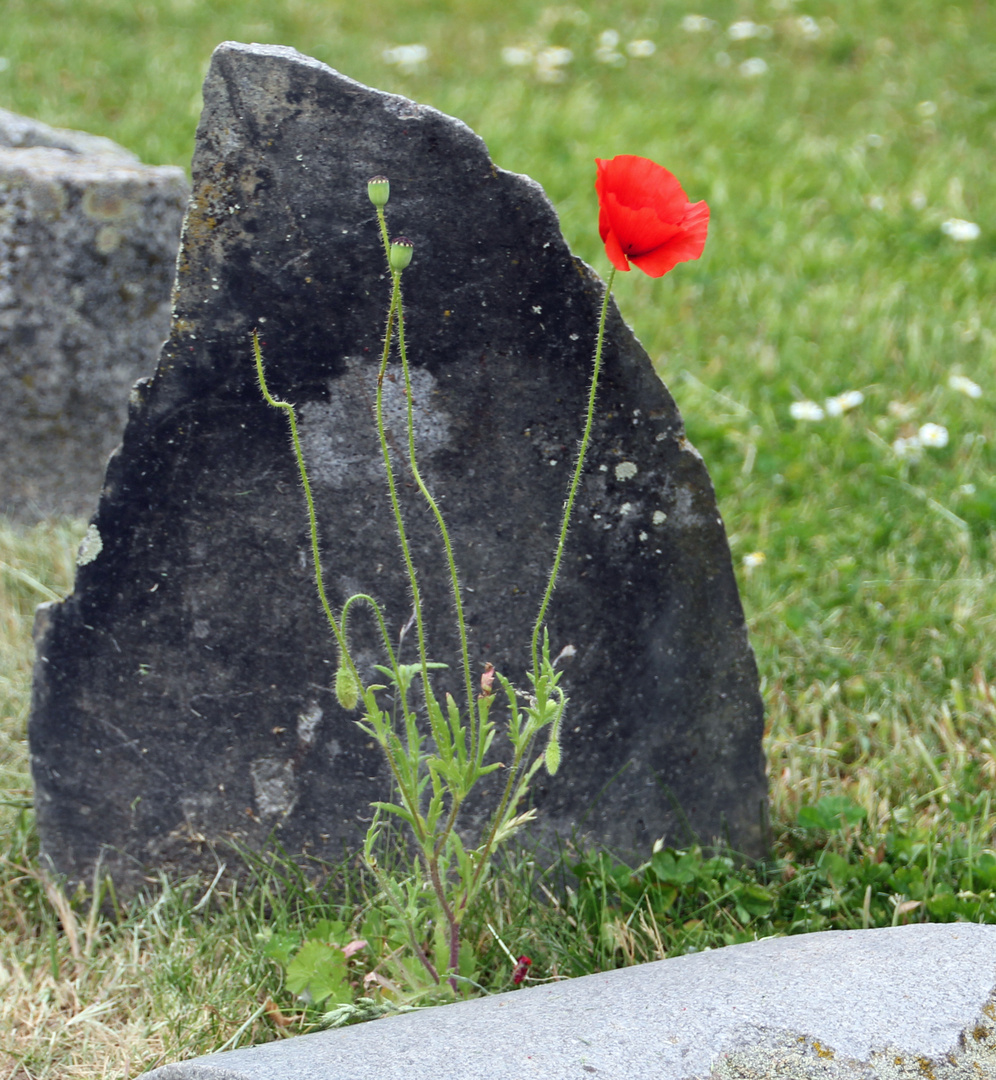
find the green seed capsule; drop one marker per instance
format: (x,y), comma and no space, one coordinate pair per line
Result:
(379,190)
(402,250)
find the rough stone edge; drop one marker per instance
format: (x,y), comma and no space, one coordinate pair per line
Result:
(22,132)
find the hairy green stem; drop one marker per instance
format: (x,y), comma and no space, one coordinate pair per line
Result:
(393,490)
(437,513)
(576,480)
(312,517)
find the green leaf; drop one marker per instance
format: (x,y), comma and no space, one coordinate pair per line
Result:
(327,930)
(755,899)
(467,964)
(836,867)
(674,868)
(393,808)
(831,814)
(279,947)
(318,972)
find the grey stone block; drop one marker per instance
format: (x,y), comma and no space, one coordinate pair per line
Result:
(905,1003)
(183,694)
(88,241)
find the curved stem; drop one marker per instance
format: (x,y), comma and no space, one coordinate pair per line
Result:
(379,616)
(575,482)
(312,517)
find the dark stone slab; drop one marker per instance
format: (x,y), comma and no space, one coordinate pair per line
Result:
(183,692)
(900,1003)
(88,242)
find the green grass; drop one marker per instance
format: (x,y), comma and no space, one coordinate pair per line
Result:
(872,614)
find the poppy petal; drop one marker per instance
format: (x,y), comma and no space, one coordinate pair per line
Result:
(615,253)
(688,244)
(638,182)
(639,230)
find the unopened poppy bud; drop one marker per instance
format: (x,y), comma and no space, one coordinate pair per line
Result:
(401,253)
(347,689)
(487,680)
(379,190)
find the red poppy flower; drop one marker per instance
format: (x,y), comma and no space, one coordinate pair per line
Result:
(644,216)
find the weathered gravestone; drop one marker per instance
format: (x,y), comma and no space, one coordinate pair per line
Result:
(88,241)
(183,693)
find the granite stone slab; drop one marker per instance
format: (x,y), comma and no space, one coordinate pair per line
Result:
(905,1003)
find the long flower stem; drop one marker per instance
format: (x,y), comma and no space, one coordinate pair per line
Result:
(392,486)
(451,561)
(575,482)
(288,408)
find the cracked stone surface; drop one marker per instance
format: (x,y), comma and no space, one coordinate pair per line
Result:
(902,1003)
(183,692)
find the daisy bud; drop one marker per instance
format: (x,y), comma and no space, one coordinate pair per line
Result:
(379,190)
(402,250)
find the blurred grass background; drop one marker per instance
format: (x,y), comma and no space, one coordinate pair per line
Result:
(839,146)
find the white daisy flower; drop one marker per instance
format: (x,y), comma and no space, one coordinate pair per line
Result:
(907,449)
(808,28)
(409,58)
(961,230)
(965,385)
(517,55)
(805,410)
(743,29)
(641,48)
(753,67)
(933,435)
(550,63)
(696,24)
(843,403)
(754,559)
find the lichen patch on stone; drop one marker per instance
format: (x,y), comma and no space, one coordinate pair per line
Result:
(90,546)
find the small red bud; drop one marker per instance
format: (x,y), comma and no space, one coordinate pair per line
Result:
(522,965)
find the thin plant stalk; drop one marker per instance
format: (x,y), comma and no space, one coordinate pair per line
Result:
(576,480)
(444,532)
(399,522)
(288,408)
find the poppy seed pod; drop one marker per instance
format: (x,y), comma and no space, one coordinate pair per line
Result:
(402,250)
(379,190)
